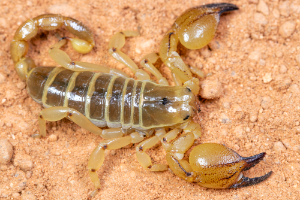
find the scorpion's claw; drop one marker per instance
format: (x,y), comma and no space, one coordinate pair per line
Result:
(251,162)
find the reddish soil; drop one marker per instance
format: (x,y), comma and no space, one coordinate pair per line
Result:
(257,63)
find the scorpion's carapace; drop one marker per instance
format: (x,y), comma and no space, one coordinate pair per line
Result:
(96,96)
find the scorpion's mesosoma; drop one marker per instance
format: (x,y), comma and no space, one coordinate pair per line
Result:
(96,96)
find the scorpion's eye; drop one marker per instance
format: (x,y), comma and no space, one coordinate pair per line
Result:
(165,101)
(186,117)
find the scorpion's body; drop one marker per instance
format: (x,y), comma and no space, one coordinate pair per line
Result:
(96,96)
(111,100)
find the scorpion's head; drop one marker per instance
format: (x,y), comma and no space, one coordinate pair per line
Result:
(166,106)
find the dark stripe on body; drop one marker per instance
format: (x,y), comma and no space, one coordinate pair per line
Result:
(57,90)
(36,82)
(97,107)
(78,94)
(136,103)
(115,102)
(128,101)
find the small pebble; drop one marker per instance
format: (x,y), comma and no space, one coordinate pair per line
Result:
(3,167)
(3,22)
(226,105)
(260,19)
(276,13)
(279,54)
(210,89)
(263,7)
(205,52)
(278,146)
(137,50)
(267,78)
(22,185)
(255,35)
(52,138)
(282,82)
(284,8)
(247,129)
(298,59)
(29,3)
(236,108)
(23,161)
(255,55)
(28,174)
(294,88)
(238,111)
(266,102)
(6,151)
(2,78)
(253,117)
(239,131)
(4,195)
(20,85)
(8,124)
(28,196)
(287,29)
(15,195)
(65,8)
(147,44)
(297,129)
(253,1)
(40,186)
(225,119)
(282,69)
(262,62)
(215,45)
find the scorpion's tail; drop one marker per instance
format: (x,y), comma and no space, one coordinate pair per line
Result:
(29,29)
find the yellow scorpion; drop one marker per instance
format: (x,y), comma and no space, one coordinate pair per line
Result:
(95,96)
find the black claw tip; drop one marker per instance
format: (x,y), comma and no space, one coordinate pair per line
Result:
(223,7)
(253,160)
(245,181)
(63,38)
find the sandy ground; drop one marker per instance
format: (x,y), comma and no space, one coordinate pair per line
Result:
(257,64)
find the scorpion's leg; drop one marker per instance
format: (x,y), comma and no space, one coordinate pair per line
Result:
(175,153)
(176,150)
(171,58)
(116,43)
(64,60)
(97,156)
(148,63)
(58,113)
(164,137)
(181,72)
(143,158)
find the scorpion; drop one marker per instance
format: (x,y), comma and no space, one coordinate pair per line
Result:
(95,96)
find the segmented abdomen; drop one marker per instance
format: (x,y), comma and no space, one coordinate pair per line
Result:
(110,100)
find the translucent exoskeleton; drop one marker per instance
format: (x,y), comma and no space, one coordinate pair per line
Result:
(94,96)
